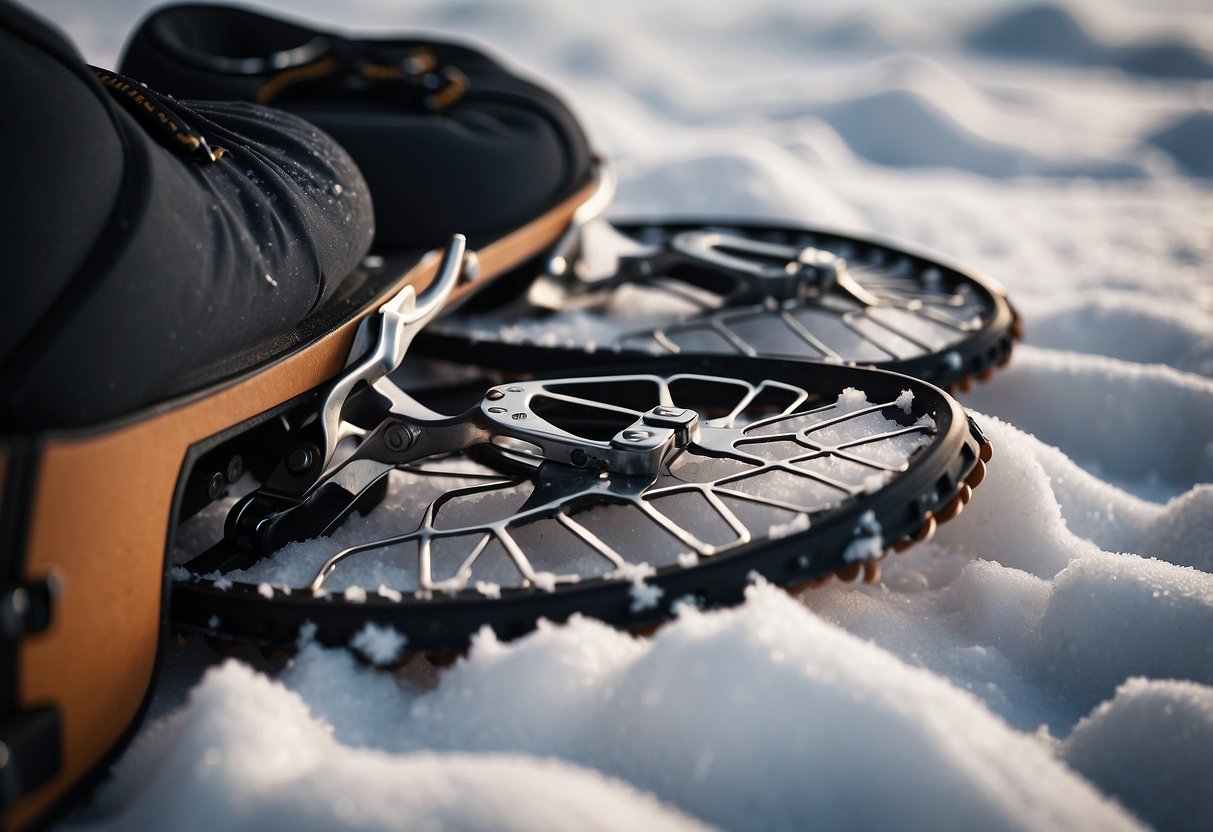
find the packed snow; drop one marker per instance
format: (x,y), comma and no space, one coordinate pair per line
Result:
(1045,662)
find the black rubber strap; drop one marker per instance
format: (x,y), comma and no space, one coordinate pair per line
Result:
(417,81)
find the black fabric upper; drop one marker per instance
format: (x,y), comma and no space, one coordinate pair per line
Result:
(503,153)
(129,267)
(133,275)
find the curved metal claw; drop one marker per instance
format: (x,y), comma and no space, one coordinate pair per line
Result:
(559,278)
(399,321)
(560,259)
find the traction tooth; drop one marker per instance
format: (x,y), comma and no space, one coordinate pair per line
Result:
(987,451)
(986,374)
(951,510)
(850,572)
(182,637)
(966,384)
(445,658)
(976,475)
(966,494)
(871,571)
(927,530)
(647,630)
(222,646)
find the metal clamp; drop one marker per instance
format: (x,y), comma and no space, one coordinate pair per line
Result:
(560,258)
(399,320)
(766,269)
(509,414)
(750,270)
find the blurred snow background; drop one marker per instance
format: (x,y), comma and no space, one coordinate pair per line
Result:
(1047,661)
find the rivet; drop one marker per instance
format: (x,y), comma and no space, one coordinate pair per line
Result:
(398,438)
(215,487)
(299,460)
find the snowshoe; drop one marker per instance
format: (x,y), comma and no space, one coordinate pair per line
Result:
(615,495)
(544,451)
(740,287)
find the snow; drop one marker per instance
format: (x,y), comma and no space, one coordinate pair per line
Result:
(645,595)
(380,645)
(269,762)
(867,543)
(1046,661)
(1153,744)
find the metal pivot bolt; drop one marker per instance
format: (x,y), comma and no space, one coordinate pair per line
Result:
(300,460)
(398,437)
(214,488)
(471,268)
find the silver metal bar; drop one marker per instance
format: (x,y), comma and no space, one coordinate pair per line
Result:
(399,320)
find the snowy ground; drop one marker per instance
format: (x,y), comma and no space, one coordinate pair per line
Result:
(1047,661)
